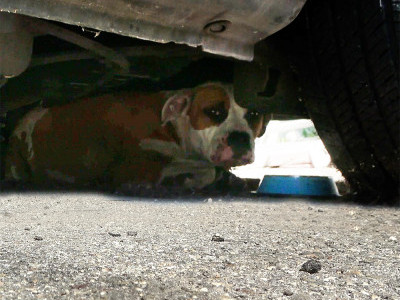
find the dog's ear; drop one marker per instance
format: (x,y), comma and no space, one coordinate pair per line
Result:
(176,105)
(265,121)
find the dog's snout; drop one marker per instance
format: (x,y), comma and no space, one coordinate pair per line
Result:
(240,143)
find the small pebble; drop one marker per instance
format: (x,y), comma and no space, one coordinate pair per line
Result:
(330,243)
(287,293)
(311,266)
(114,234)
(38,238)
(217,238)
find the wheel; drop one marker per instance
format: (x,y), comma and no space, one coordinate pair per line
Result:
(352,90)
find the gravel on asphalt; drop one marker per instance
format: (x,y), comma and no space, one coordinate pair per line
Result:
(92,246)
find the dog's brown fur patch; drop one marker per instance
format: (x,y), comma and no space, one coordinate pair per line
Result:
(206,96)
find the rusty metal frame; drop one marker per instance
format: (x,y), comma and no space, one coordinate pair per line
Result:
(224,27)
(37,26)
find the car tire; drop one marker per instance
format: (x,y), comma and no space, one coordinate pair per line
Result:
(351,90)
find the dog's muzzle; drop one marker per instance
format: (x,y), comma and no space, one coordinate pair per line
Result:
(233,150)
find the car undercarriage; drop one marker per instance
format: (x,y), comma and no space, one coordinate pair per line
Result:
(336,63)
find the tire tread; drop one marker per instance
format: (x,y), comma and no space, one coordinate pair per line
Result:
(357,110)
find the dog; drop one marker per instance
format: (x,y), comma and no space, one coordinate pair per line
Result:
(126,138)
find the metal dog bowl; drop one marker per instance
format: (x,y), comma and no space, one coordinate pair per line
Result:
(298,185)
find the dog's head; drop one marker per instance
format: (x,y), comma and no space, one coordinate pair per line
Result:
(213,125)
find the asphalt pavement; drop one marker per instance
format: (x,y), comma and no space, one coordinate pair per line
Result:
(100,246)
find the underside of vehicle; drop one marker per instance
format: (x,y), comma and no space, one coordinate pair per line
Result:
(332,61)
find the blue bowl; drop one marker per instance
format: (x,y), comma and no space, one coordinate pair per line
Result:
(298,185)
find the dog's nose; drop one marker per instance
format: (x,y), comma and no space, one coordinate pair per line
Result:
(239,141)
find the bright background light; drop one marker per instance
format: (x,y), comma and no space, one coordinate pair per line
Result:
(290,148)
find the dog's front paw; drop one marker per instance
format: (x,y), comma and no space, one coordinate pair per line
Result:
(178,181)
(228,183)
(190,174)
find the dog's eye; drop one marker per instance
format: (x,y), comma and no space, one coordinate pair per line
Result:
(216,113)
(252,116)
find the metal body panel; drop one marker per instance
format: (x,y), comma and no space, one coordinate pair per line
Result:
(15,45)
(225,27)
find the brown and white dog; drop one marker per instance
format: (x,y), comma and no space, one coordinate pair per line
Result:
(134,138)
